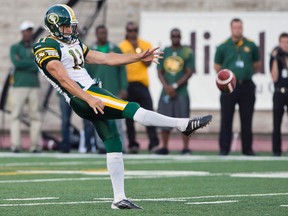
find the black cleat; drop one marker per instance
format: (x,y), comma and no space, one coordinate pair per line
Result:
(196,123)
(186,152)
(162,151)
(125,204)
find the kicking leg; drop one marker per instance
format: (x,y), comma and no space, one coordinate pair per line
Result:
(116,108)
(149,118)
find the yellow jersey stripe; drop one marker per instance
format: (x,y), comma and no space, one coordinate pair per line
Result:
(45,48)
(47,57)
(85,49)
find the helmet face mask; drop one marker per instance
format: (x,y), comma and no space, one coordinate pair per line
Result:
(66,37)
(59,16)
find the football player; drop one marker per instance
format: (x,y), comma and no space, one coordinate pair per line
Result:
(61,57)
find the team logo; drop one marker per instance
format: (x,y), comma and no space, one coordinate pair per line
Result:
(173,64)
(53,18)
(42,54)
(246,49)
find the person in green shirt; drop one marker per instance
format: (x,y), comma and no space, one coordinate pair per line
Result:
(114,79)
(241,56)
(26,87)
(174,71)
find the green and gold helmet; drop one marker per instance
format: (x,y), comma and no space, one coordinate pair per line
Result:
(60,15)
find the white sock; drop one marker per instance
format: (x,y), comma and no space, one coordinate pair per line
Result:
(115,166)
(150,118)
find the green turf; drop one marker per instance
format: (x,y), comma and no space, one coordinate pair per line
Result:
(245,196)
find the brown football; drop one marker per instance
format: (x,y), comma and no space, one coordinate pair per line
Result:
(226,81)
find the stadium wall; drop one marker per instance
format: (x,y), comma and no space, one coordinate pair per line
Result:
(116,14)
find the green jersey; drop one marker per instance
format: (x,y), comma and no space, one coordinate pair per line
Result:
(174,64)
(238,57)
(113,78)
(26,71)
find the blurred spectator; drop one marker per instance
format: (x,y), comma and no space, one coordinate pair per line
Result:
(90,138)
(174,70)
(26,88)
(279,73)
(241,56)
(66,112)
(114,79)
(138,82)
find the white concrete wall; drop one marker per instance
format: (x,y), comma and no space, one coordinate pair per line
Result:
(13,12)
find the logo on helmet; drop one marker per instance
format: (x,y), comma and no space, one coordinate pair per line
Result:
(53,18)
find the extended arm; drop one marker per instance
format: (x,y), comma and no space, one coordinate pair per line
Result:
(113,59)
(57,70)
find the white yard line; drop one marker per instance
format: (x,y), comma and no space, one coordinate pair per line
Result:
(136,174)
(66,163)
(84,179)
(53,180)
(171,199)
(51,203)
(127,173)
(155,173)
(24,199)
(147,156)
(212,202)
(261,175)
(236,195)
(149,199)
(204,197)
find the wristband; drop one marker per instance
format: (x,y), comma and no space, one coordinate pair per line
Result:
(175,86)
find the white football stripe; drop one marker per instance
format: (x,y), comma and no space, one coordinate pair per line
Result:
(224,82)
(230,87)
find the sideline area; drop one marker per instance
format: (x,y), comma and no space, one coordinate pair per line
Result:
(198,143)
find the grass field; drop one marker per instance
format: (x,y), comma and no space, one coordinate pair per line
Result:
(77,184)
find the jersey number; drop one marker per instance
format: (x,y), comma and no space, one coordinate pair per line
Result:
(76,57)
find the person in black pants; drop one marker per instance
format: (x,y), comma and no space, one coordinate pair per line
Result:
(139,93)
(138,85)
(241,56)
(244,96)
(279,73)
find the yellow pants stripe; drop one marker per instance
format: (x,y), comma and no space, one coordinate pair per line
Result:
(110,101)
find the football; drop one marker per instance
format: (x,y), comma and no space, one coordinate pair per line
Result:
(226,81)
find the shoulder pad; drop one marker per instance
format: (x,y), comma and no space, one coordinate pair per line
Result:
(46,49)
